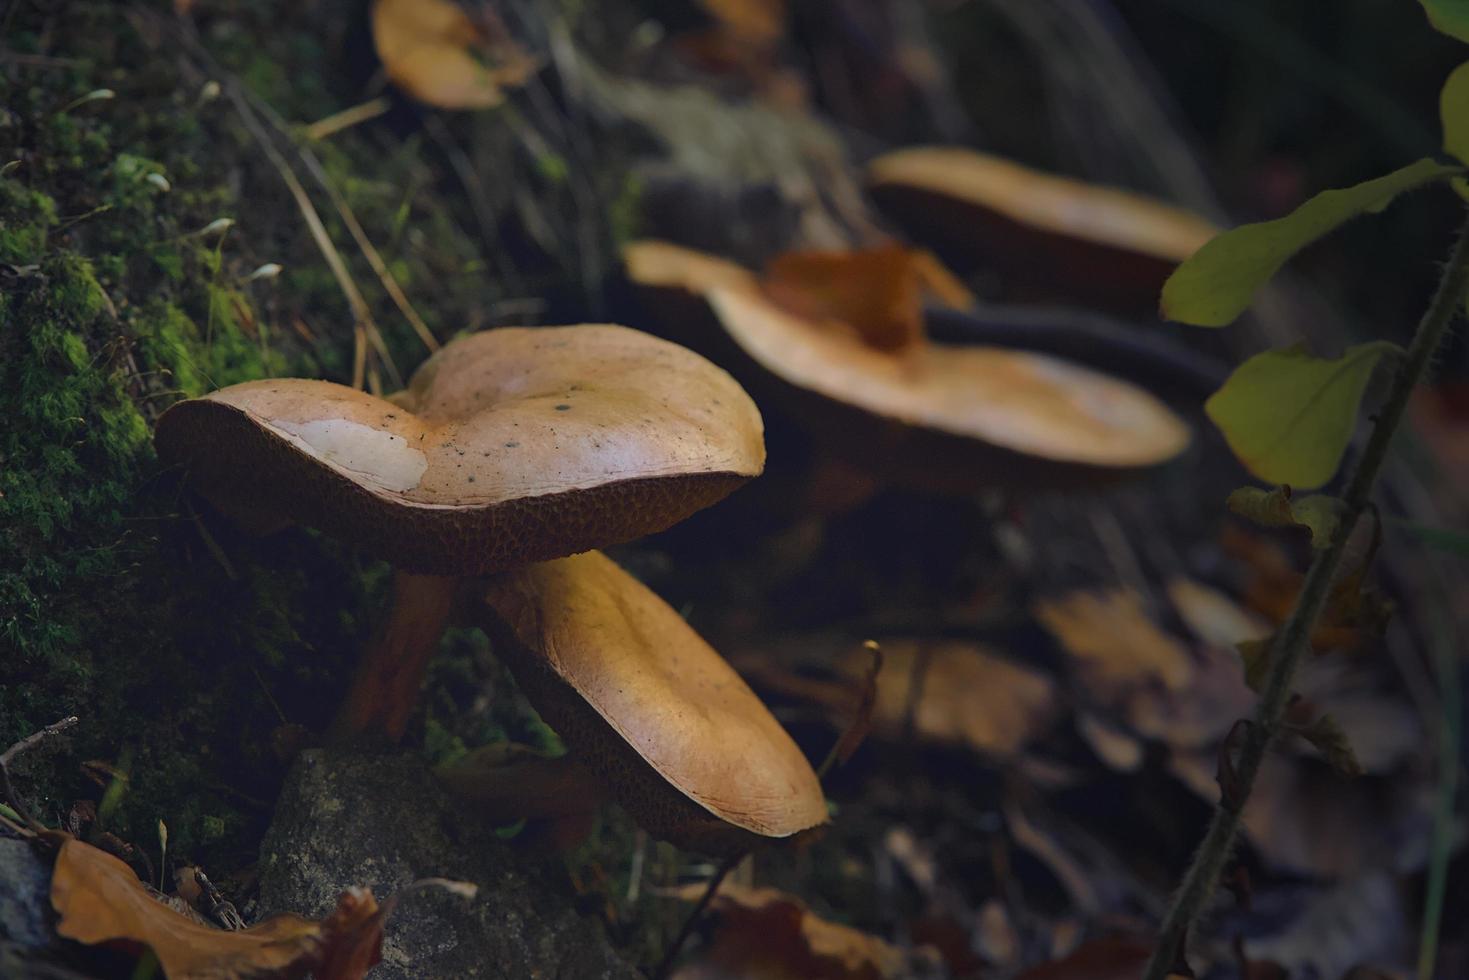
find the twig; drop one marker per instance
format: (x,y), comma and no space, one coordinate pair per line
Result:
(349,218)
(361,313)
(1291,642)
(861,722)
(665,966)
(348,118)
(7,790)
(31,740)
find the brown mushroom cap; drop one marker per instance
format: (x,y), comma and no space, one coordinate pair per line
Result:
(686,746)
(1029,403)
(509,446)
(962,414)
(1100,244)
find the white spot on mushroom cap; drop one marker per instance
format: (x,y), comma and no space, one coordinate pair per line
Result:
(382,458)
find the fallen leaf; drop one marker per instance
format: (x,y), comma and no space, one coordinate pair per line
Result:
(1213,617)
(1116,647)
(432,50)
(951,692)
(760,22)
(1326,734)
(100,900)
(765,934)
(959,693)
(1305,818)
(874,294)
(1272,585)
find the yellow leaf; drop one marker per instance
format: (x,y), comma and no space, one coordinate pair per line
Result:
(1288,415)
(1318,513)
(1214,286)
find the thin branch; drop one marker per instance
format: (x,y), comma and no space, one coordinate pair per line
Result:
(31,741)
(1293,639)
(670,956)
(7,790)
(361,312)
(348,118)
(354,227)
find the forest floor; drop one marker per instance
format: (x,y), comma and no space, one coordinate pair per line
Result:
(1060,673)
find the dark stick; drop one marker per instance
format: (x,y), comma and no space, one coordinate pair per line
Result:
(665,967)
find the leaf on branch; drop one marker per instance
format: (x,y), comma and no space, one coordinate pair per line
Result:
(1333,744)
(1449,17)
(1318,513)
(1215,285)
(1453,109)
(100,900)
(1289,415)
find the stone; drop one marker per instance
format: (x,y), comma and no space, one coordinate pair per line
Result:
(346,818)
(25,886)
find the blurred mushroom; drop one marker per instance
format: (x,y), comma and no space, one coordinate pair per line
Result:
(510,446)
(1049,236)
(643,702)
(933,415)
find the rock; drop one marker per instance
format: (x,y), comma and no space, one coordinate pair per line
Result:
(25,885)
(383,821)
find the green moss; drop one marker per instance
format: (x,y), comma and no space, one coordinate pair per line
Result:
(30,216)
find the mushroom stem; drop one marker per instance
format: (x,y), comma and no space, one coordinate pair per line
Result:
(390,674)
(506,786)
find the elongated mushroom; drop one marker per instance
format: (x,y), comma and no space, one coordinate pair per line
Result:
(1053,236)
(942,416)
(641,700)
(510,446)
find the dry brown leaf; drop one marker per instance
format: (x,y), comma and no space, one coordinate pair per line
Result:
(765,934)
(100,900)
(760,22)
(431,49)
(965,695)
(1305,819)
(1117,648)
(874,293)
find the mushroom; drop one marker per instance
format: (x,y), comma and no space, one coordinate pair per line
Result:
(646,704)
(935,415)
(510,446)
(1049,235)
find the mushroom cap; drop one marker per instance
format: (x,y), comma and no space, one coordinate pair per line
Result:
(1028,403)
(1102,244)
(943,416)
(509,446)
(686,746)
